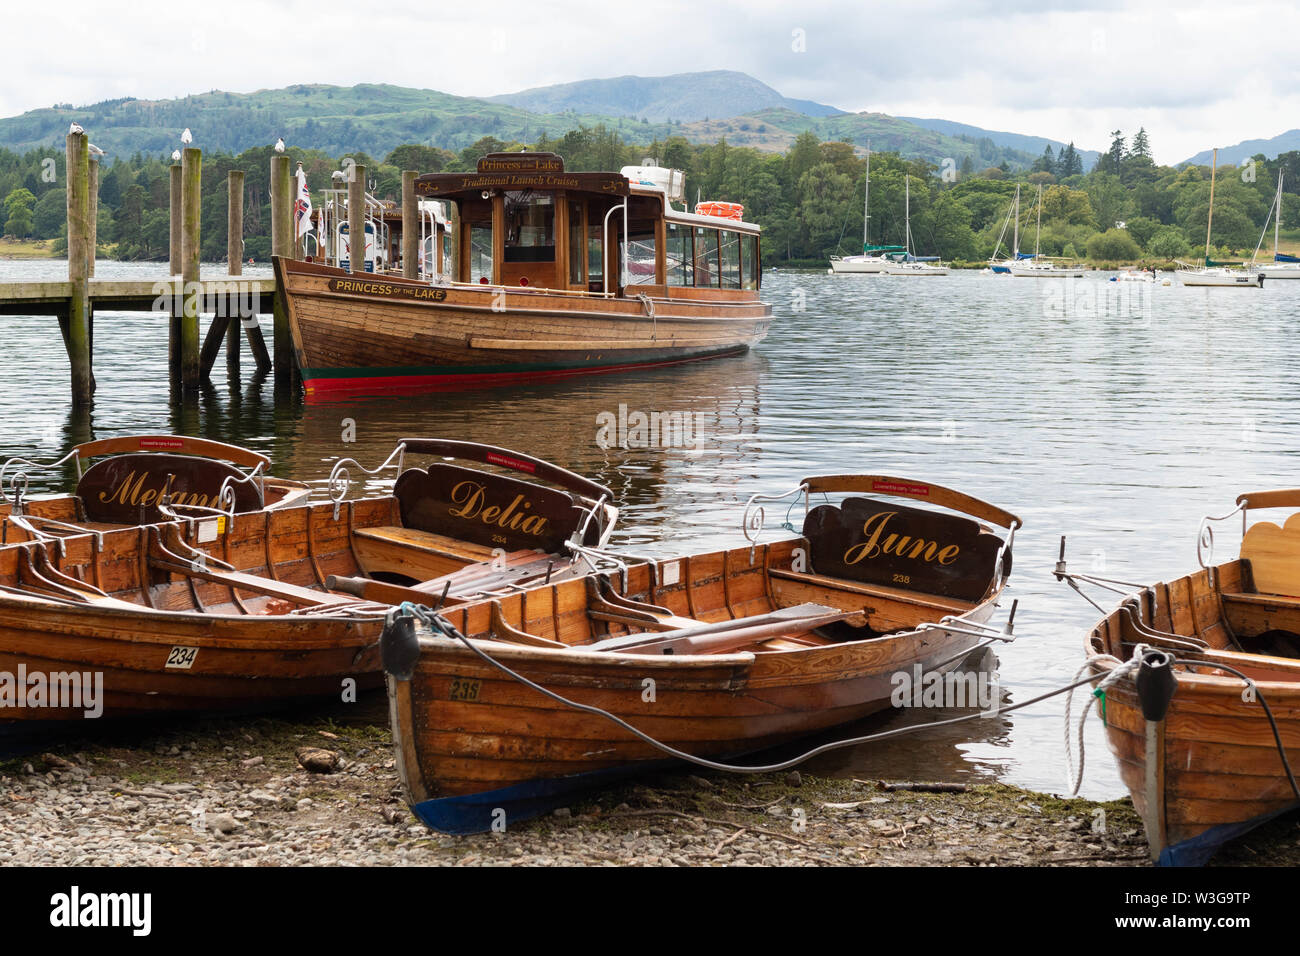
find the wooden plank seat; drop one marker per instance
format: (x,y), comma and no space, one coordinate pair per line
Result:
(427,541)
(900,595)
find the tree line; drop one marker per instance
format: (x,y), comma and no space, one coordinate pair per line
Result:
(809,199)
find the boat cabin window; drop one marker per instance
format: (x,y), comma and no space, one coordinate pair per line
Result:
(530,226)
(679,256)
(706,258)
(730,254)
(641,255)
(577,263)
(753,263)
(480,252)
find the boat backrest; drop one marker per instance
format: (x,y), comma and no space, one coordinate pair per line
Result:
(126,489)
(876,542)
(1274,556)
(490,509)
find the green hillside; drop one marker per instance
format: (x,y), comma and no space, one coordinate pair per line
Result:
(376,118)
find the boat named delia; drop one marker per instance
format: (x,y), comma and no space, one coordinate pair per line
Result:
(548,274)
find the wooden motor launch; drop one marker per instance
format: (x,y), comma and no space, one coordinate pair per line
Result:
(1201,683)
(139,479)
(712,655)
(240,610)
(554,273)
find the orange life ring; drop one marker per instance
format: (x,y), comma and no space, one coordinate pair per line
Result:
(723,210)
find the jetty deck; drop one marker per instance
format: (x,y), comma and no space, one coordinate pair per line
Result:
(132,295)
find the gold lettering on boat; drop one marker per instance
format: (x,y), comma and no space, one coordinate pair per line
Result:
(903,546)
(472,502)
(132,491)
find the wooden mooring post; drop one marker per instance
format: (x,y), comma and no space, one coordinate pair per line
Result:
(282,242)
(234,263)
(192,295)
(93,169)
(76,326)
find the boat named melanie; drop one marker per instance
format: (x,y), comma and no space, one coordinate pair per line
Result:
(554,273)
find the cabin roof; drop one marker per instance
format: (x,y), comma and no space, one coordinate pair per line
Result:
(712,222)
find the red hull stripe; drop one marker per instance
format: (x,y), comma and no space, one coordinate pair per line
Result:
(338,386)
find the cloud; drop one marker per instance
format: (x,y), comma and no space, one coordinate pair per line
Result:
(1194,73)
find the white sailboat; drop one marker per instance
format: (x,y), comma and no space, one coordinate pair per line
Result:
(1283,266)
(1211,273)
(1039,266)
(1003,266)
(911,264)
(874,258)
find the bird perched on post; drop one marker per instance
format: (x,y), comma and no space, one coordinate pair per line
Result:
(187,137)
(176,155)
(95,150)
(74,128)
(279,145)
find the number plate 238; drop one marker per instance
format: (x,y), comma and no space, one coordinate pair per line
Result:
(462,688)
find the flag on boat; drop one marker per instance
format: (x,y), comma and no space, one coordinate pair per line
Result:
(302,206)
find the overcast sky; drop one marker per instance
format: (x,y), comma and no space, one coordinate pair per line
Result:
(1195,74)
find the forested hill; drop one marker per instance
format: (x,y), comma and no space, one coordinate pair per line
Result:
(378,118)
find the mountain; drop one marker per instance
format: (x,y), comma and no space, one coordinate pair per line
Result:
(1281,143)
(684,97)
(375,118)
(1017,141)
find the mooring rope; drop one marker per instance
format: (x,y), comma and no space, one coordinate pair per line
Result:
(440,624)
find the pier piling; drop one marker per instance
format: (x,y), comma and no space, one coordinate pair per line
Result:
(93,167)
(282,243)
(174,235)
(410,226)
(79,236)
(357,220)
(191,181)
(234,263)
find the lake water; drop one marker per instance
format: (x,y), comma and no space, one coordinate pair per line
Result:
(1115,414)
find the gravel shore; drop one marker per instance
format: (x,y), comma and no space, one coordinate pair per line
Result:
(235,792)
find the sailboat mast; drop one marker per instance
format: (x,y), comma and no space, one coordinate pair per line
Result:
(866,201)
(1015,253)
(1277,215)
(1209,222)
(907,212)
(1038,232)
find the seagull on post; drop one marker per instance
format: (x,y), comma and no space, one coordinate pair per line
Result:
(176,155)
(187,137)
(74,128)
(95,150)
(279,145)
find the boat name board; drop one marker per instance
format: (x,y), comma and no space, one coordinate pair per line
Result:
(486,509)
(443,184)
(902,547)
(127,489)
(521,163)
(387,290)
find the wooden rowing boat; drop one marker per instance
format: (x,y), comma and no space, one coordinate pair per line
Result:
(1209,768)
(555,274)
(271,606)
(715,654)
(140,479)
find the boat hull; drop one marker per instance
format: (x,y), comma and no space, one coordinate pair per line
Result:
(859,266)
(1215,770)
(1222,280)
(477,748)
(387,334)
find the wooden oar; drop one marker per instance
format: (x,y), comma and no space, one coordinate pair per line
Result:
(786,617)
(720,642)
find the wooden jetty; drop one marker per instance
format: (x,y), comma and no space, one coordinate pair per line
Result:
(231,299)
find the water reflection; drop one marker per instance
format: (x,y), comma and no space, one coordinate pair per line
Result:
(1118,427)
